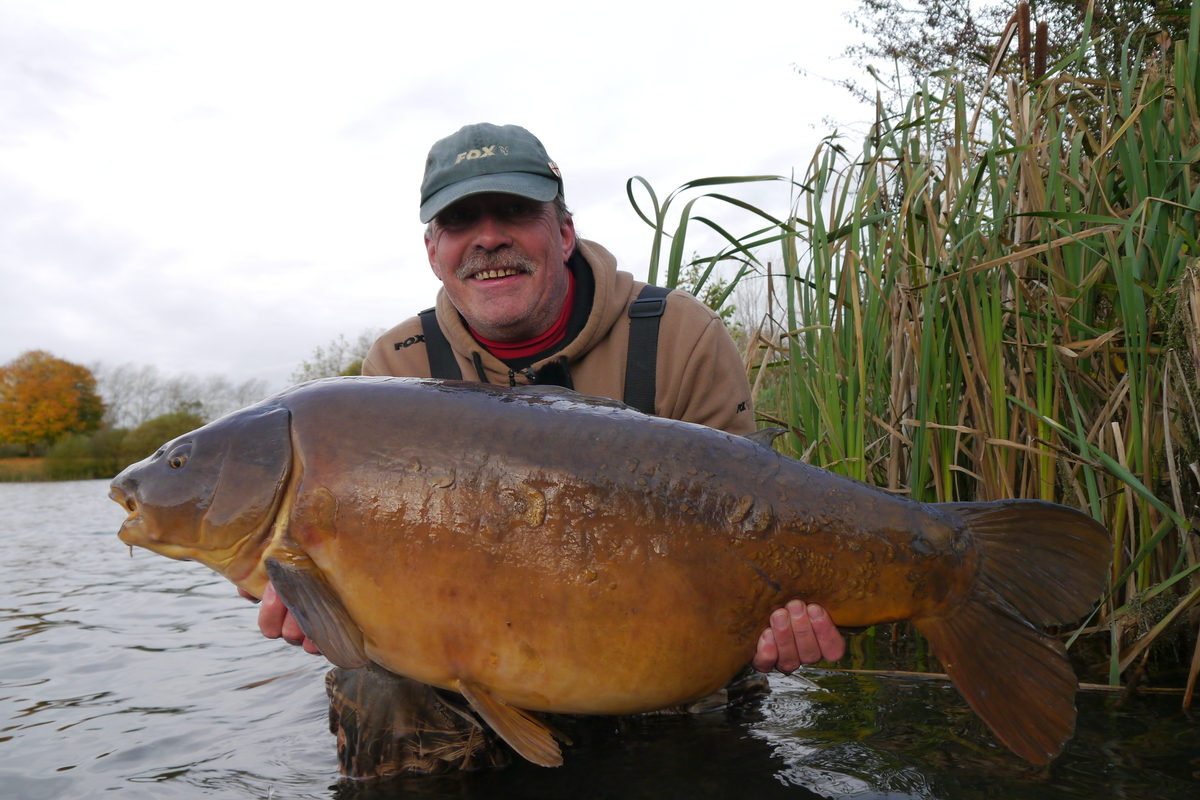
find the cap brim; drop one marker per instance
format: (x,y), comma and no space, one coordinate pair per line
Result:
(524,184)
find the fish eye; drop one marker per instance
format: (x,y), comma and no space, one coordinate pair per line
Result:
(179,456)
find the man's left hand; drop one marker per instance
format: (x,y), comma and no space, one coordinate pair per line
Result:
(800,634)
(274,621)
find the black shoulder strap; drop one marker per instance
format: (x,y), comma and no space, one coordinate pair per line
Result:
(442,363)
(642,361)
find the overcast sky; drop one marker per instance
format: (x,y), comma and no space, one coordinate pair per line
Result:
(219,188)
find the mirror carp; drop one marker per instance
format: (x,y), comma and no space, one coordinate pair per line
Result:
(541,551)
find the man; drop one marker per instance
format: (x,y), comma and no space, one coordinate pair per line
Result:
(522,299)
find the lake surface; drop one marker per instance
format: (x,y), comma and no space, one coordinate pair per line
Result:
(143,677)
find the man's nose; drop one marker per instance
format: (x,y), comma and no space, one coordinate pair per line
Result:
(492,232)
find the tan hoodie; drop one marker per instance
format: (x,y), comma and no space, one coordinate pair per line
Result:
(699,376)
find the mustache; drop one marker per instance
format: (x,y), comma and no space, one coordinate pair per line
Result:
(504,258)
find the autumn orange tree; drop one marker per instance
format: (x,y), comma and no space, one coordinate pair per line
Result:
(43,398)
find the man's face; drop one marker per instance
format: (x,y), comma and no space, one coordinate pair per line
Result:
(502,260)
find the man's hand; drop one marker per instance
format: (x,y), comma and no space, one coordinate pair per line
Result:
(275,622)
(799,634)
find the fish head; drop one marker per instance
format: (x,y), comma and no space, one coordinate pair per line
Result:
(211,495)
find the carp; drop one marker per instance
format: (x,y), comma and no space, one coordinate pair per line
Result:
(537,550)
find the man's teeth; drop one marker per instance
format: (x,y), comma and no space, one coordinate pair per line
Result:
(495,273)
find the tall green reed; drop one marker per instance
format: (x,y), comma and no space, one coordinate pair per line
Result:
(1008,309)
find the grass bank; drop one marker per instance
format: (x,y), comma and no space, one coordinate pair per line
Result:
(17,470)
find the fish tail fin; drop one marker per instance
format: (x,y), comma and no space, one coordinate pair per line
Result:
(1040,564)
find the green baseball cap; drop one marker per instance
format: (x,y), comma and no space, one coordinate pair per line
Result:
(487,158)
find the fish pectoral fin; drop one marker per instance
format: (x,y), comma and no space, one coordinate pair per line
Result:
(529,736)
(322,617)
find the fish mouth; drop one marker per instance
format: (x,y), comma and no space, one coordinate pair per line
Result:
(119,495)
(134,530)
(128,501)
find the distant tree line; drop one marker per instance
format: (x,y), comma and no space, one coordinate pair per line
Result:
(92,422)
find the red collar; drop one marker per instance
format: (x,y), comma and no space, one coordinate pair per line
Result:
(507,351)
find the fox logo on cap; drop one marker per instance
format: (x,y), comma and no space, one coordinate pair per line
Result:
(482,152)
(463,164)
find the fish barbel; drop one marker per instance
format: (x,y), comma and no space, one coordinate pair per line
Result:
(537,550)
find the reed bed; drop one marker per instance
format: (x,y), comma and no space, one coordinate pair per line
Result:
(997,305)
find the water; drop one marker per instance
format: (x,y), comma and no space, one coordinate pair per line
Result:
(128,678)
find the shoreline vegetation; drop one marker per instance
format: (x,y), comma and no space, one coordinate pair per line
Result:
(22,469)
(997,296)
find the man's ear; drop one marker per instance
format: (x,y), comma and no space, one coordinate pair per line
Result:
(567,231)
(431,251)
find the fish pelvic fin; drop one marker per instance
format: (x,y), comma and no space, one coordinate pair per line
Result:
(319,611)
(1039,564)
(529,736)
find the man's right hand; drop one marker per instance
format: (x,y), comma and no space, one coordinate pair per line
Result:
(276,623)
(799,634)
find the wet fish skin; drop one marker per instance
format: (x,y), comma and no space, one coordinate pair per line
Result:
(557,554)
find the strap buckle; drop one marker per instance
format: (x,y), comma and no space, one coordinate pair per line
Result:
(647,307)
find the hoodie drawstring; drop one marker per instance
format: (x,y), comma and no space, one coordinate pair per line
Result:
(479,367)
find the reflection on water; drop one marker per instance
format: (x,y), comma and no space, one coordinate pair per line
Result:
(862,736)
(121,673)
(147,677)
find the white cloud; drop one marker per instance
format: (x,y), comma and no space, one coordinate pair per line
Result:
(221,187)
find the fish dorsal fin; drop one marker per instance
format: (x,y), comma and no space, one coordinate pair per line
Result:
(766,437)
(530,737)
(322,617)
(549,390)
